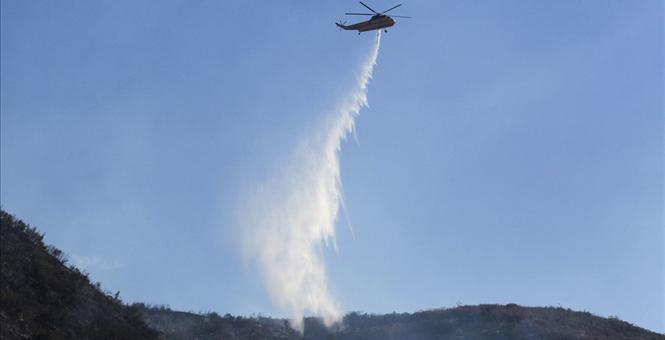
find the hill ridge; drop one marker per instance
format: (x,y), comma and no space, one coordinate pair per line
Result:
(43,298)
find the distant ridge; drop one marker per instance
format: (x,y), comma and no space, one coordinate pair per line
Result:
(465,322)
(42,298)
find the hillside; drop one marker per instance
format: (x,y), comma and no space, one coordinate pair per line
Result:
(183,325)
(42,298)
(466,322)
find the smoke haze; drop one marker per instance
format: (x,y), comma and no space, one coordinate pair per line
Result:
(294,214)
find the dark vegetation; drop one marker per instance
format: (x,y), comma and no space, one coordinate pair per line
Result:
(465,322)
(43,298)
(184,325)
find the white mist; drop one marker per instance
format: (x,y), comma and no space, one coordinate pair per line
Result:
(289,218)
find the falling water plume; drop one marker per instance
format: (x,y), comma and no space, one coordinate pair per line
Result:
(294,214)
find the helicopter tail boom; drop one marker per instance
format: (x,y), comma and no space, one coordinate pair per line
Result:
(342,26)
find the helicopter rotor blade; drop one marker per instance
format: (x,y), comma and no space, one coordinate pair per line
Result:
(400,16)
(358,14)
(390,9)
(369,8)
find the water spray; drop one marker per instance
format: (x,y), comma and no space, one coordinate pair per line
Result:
(294,215)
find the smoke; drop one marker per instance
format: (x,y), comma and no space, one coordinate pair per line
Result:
(292,216)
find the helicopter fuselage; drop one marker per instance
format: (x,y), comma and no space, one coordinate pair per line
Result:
(377,22)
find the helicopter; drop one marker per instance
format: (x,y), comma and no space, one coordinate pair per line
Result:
(376,22)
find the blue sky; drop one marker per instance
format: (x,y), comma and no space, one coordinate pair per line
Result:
(512,151)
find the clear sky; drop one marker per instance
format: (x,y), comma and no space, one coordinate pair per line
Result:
(512,151)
